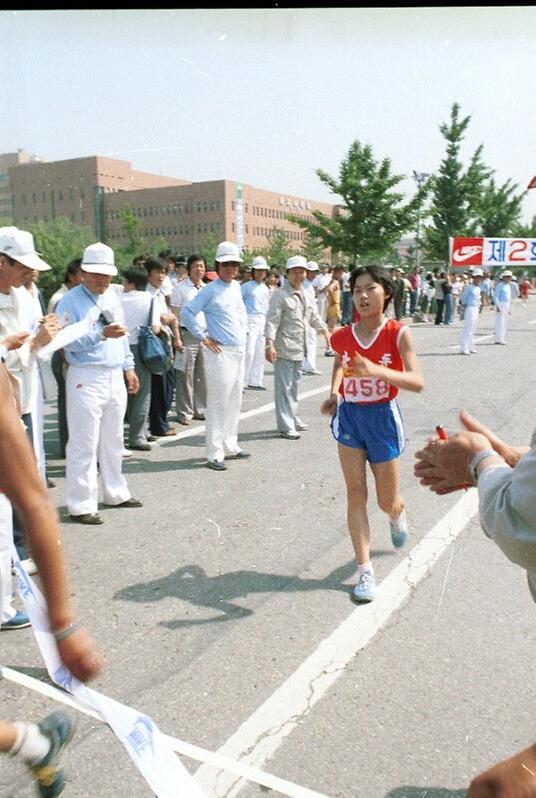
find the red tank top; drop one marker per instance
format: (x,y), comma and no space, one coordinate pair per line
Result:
(383,349)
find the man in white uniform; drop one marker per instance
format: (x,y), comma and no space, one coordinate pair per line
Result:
(502,298)
(100,362)
(470,300)
(256,296)
(224,355)
(18,347)
(309,361)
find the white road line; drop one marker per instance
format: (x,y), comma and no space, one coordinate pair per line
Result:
(257,411)
(180,746)
(257,739)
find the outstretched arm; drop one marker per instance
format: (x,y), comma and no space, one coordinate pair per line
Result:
(23,486)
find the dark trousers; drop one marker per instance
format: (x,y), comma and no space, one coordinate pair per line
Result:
(440,304)
(57,364)
(162,387)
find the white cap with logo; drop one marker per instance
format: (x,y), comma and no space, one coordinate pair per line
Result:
(19,246)
(228,252)
(296,262)
(99,259)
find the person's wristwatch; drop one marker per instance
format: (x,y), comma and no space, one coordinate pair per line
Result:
(477,459)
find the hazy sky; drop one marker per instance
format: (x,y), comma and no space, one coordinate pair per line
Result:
(267,96)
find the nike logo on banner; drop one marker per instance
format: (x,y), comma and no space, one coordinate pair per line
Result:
(465,253)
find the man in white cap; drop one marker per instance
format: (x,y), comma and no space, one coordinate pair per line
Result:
(309,361)
(471,301)
(224,356)
(291,312)
(100,363)
(256,296)
(20,339)
(502,299)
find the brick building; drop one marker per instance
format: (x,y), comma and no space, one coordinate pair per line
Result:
(7,161)
(93,191)
(76,189)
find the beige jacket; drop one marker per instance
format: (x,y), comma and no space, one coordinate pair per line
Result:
(290,314)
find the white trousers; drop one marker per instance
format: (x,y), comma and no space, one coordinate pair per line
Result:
(254,371)
(96,404)
(470,319)
(7,610)
(309,361)
(224,377)
(322,303)
(501,320)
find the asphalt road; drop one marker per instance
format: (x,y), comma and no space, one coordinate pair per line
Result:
(215,603)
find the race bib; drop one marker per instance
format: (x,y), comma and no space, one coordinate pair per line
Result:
(365,389)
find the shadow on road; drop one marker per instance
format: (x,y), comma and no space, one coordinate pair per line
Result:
(192,584)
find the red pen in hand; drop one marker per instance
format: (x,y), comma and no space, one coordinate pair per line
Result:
(442,435)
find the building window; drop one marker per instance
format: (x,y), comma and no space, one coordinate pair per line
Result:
(34,199)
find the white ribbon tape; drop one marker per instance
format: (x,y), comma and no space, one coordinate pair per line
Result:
(146,745)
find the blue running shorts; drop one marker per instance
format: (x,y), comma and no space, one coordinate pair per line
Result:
(378,429)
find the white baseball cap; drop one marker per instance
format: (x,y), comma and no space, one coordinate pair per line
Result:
(228,252)
(259,263)
(99,259)
(312,266)
(477,273)
(19,246)
(507,273)
(297,261)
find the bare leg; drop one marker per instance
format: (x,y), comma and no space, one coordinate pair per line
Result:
(8,735)
(387,478)
(353,465)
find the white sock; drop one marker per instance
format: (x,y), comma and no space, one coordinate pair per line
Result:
(31,744)
(365,566)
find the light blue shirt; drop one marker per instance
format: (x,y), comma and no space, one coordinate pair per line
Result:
(502,294)
(225,313)
(256,297)
(92,349)
(470,297)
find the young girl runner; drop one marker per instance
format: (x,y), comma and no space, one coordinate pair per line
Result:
(375,357)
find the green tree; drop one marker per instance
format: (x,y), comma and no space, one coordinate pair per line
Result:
(312,248)
(59,242)
(209,250)
(135,242)
(499,209)
(456,194)
(278,250)
(372,216)
(526,230)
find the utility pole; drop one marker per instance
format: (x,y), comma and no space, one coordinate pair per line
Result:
(420,178)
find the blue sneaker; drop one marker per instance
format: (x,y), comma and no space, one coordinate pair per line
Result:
(365,590)
(58,728)
(19,621)
(399,530)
